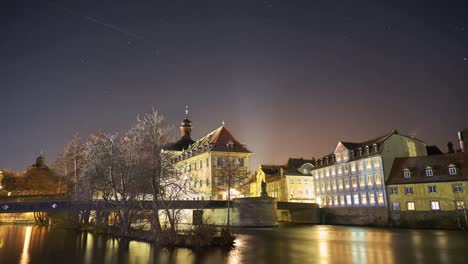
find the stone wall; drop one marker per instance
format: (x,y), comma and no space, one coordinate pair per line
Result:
(430,219)
(373,216)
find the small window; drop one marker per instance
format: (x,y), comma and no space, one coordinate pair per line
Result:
(306,191)
(356,199)
(429,172)
(201,164)
(306,181)
(348,200)
(396,206)
(432,188)
(393,190)
(241,162)
(408,190)
(460,205)
(407,173)
(363,198)
(457,188)
(435,205)
(298,181)
(291,181)
(410,206)
(453,170)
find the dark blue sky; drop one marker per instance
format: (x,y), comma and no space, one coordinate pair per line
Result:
(290,78)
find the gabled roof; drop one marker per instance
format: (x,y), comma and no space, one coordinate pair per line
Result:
(272,170)
(219,139)
(293,165)
(438,163)
(379,141)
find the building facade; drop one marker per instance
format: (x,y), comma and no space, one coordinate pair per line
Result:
(429,188)
(354,174)
(287,183)
(211,162)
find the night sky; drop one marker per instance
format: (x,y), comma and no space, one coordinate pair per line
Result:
(289,78)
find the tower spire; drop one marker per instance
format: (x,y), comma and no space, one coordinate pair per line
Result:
(186,112)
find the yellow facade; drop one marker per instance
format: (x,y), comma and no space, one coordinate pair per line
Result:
(208,178)
(299,189)
(446,196)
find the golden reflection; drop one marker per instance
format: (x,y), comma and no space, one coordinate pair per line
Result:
(27,240)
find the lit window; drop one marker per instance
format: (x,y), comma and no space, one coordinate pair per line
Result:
(410,206)
(333,171)
(317,187)
(327,184)
(342,200)
(361,165)
(363,198)
(396,206)
(376,162)
(369,165)
(333,185)
(356,199)
(408,190)
(362,182)
(406,173)
(380,199)
(340,184)
(435,205)
(369,180)
(340,171)
(371,198)
(327,172)
(298,181)
(348,200)
(335,200)
(452,170)
(429,172)
(345,156)
(432,188)
(460,205)
(346,182)
(353,167)
(457,188)
(393,190)
(354,181)
(338,157)
(378,179)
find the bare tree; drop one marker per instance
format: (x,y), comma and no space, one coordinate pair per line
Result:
(233,180)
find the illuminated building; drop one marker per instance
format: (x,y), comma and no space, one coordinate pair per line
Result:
(354,174)
(208,162)
(429,188)
(292,182)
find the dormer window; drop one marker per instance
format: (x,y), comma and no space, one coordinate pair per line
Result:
(452,169)
(360,152)
(230,144)
(375,148)
(367,150)
(407,173)
(429,171)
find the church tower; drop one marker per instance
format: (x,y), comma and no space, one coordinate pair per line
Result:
(186,127)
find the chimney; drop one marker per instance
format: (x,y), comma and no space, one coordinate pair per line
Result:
(450,147)
(462,136)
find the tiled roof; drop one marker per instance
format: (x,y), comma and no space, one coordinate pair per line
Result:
(271,170)
(294,164)
(219,139)
(438,163)
(355,147)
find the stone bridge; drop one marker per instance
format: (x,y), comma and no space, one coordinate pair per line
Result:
(257,211)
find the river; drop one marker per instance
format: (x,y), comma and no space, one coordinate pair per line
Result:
(285,244)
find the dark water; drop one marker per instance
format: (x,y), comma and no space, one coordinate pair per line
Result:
(292,244)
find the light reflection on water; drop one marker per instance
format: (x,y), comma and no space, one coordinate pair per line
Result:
(292,244)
